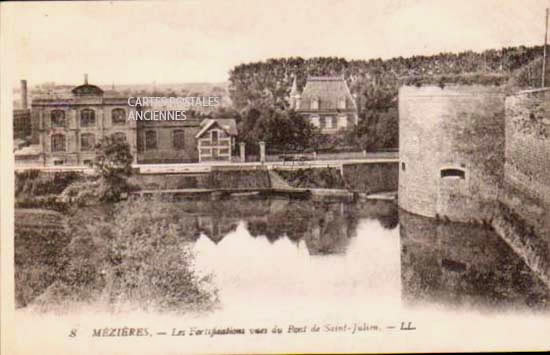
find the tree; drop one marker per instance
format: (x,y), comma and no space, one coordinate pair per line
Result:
(113,157)
(113,163)
(113,167)
(280,130)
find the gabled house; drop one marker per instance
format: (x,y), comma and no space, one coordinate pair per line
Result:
(327,102)
(216,139)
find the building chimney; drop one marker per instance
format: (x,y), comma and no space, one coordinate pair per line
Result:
(24,103)
(85,79)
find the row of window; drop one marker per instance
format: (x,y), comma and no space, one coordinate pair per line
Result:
(87,141)
(326,122)
(314,103)
(61,162)
(87,117)
(216,138)
(214,152)
(178,139)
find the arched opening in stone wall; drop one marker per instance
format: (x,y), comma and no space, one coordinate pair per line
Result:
(452,173)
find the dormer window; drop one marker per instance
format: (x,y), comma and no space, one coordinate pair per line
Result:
(315,104)
(342,103)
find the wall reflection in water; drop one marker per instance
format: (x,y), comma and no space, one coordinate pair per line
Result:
(463,265)
(356,251)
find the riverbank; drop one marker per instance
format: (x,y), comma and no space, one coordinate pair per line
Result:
(70,258)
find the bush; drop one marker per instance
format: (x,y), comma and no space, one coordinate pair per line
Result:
(135,256)
(37,261)
(315,178)
(35,183)
(50,202)
(81,193)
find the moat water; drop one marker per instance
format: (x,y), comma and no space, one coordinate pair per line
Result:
(342,267)
(302,256)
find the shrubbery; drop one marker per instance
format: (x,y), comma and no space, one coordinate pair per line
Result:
(37,261)
(315,178)
(36,183)
(134,256)
(50,202)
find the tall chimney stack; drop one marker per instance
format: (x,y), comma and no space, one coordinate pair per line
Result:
(85,79)
(24,103)
(545,54)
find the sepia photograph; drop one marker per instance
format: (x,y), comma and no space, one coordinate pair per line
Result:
(332,176)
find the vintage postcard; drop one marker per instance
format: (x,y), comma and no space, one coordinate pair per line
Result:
(211,176)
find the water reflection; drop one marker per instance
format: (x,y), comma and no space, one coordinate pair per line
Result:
(326,228)
(290,248)
(463,265)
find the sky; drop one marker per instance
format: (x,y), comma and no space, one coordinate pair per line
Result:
(129,42)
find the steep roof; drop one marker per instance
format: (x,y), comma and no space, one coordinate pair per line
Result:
(328,90)
(229,125)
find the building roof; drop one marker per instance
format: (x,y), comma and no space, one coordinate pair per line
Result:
(87,89)
(34,149)
(329,90)
(229,125)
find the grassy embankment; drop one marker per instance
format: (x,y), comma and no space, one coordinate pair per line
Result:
(133,253)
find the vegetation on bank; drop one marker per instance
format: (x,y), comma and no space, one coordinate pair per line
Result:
(60,191)
(328,178)
(37,259)
(36,189)
(134,254)
(104,250)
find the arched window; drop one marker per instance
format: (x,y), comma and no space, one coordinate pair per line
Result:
(178,139)
(58,143)
(119,136)
(57,118)
(118,116)
(150,140)
(87,118)
(453,174)
(87,142)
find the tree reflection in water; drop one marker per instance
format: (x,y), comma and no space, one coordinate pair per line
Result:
(326,228)
(451,264)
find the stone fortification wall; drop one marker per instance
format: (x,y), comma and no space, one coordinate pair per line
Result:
(527,168)
(451,150)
